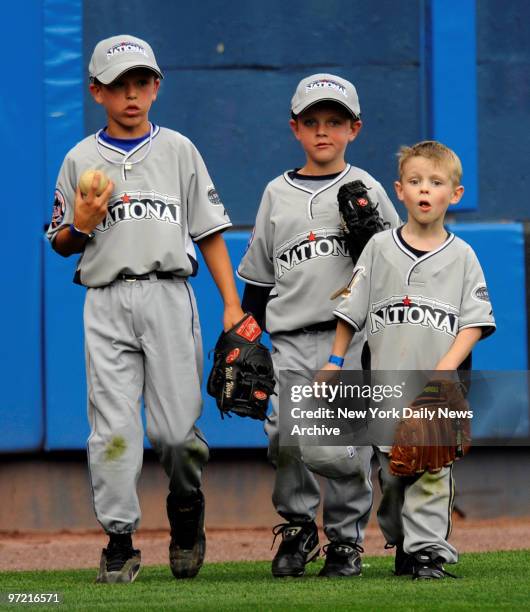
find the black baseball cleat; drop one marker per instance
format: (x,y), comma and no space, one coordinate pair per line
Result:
(188,540)
(120,562)
(428,566)
(403,563)
(298,547)
(342,559)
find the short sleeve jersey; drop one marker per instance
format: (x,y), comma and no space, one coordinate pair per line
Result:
(297,248)
(164,200)
(413,307)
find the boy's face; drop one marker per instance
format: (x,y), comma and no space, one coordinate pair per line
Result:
(427,190)
(127,101)
(324,131)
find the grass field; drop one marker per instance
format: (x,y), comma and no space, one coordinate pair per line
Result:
(490,581)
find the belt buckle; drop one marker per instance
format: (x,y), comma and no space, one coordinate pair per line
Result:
(130,280)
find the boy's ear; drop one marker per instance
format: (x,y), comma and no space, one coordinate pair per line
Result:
(157,87)
(457,194)
(399,190)
(356,127)
(95,90)
(294,127)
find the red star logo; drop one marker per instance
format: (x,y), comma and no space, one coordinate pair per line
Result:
(125,199)
(311,237)
(406,301)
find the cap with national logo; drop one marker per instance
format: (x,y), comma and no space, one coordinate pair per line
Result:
(118,54)
(324,88)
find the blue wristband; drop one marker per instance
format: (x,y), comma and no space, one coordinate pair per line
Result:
(335,359)
(75,232)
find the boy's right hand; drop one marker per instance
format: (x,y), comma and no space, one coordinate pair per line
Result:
(328,374)
(91,209)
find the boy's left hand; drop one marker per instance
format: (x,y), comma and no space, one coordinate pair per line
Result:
(231,316)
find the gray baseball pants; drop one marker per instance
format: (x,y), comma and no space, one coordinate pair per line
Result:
(142,340)
(296,495)
(416,512)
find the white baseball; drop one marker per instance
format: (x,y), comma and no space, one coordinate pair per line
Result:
(86,179)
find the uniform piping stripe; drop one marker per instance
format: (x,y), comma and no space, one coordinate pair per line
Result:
(211,231)
(145,142)
(478,324)
(252,281)
(400,246)
(192,310)
(92,419)
(106,145)
(293,184)
(429,255)
(451,502)
(110,147)
(367,513)
(322,189)
(340,315)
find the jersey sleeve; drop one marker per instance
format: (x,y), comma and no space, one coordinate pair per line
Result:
(354,307)
(386,208)
(476,309)
(257,265)
(64,199)
(205,212)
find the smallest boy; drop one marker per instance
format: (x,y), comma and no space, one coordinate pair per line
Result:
(420,264)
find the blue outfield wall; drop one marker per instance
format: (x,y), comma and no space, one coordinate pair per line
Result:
(22,133)
(67,428)
(66,423)
(454,70)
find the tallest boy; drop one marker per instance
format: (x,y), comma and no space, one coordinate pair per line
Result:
(142,332)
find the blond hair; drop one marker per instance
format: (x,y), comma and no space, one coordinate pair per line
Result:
(437,153)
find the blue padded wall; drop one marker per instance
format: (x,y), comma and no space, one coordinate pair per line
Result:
(22,133)
(67,424)
(231,71)
(503,89)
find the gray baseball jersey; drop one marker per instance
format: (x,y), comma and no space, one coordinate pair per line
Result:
(163,201)
(413,307)
(298,248)
(142,337)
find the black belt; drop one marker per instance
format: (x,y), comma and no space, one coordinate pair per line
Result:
(135,277)
(316,327)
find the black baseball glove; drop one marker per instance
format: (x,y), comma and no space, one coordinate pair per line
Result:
(359,217)
(242,376)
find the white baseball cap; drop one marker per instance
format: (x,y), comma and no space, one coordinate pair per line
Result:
(118,54)
(323,88)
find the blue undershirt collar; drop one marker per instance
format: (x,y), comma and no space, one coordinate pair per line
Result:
(125,144)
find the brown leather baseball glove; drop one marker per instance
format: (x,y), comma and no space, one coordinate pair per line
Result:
(437,433)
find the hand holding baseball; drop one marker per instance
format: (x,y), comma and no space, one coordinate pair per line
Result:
(91,200)
(87,180)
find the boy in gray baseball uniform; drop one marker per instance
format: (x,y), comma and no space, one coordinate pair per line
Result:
(402,274)
(142,333)
(296,260)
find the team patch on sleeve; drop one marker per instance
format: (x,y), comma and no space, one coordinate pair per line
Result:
(58,209)
(213,196)
(480,293)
